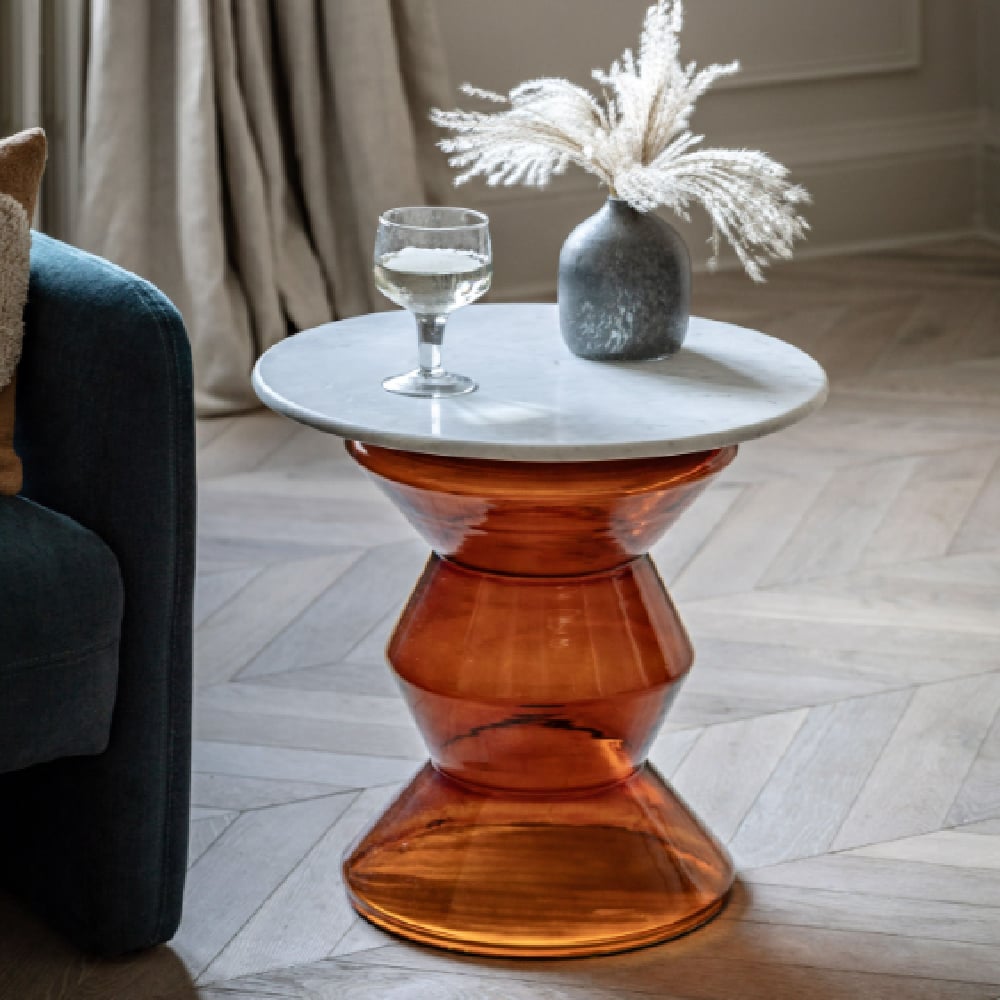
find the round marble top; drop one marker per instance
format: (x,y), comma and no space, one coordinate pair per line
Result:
(536,401)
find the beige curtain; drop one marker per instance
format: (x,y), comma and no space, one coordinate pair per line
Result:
(237,153)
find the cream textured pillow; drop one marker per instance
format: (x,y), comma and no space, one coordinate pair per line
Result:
(15,248)
(22,159)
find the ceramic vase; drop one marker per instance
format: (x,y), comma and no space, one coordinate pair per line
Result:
(624,286)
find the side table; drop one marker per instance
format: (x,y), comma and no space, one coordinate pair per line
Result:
(539,651)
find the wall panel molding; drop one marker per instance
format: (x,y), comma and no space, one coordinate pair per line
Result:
(989,175)
(991,129)
(902,50)
(777,41)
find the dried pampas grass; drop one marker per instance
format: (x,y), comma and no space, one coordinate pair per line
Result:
(637,141)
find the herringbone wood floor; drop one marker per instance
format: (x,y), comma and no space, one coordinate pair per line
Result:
(840,730)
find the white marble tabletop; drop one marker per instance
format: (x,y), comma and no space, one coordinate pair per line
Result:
(536,401)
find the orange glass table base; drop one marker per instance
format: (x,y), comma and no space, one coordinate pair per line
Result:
(539,654)
(488,874)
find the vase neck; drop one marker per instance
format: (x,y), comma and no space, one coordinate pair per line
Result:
(621,207)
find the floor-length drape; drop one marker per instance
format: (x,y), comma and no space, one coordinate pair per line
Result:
(237,154)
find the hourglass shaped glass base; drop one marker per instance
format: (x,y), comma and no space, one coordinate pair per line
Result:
(490,874)
(416,383)
(539,654)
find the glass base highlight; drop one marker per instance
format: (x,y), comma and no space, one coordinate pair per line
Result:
(415,383)
(532,876)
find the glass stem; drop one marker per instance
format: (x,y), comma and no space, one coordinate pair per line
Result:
(430,335)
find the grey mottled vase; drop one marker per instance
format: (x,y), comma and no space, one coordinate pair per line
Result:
(624,286)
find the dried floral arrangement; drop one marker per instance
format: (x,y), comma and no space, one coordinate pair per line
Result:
(636,140)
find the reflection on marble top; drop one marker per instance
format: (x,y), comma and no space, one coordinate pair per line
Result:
(536,401)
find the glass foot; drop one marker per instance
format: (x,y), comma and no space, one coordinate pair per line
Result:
(536,876)
(416,383)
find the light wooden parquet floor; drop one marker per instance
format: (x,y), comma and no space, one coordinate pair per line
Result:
(840,729)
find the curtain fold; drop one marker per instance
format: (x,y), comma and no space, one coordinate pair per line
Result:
(237,153)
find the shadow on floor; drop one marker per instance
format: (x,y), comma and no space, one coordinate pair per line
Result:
(37,963)
(733,957)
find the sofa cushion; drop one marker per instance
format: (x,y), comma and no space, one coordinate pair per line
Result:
(22,159)
(60,619)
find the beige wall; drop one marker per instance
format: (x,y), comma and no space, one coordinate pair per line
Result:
(989,81)
(989,53)
(874,104)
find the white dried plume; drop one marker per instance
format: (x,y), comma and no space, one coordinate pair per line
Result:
(637,141)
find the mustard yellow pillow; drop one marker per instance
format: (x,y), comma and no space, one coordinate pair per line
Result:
(22,160)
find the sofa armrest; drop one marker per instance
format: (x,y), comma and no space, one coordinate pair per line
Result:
(105,429)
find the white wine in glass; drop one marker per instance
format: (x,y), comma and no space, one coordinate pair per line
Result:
(432,261)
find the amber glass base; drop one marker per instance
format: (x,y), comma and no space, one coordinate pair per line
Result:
(539,653)
(618,868)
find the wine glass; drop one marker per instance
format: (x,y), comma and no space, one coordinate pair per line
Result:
(432,261)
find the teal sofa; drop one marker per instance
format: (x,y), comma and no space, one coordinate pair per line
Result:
(96,580)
